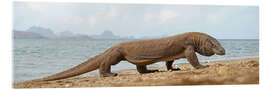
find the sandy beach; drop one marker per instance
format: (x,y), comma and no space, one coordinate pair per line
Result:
(227,72)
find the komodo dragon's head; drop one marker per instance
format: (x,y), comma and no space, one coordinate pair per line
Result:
(208,46)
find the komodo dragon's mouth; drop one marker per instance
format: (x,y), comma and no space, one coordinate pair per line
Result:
(219,52)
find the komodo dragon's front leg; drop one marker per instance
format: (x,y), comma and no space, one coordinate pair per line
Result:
(142,69)
(192,58)
(169,66)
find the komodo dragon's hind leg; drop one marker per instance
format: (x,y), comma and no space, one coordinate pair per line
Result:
(110,58)
(143,69)
(169,66)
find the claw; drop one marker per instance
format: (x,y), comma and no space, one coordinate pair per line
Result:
(202,66)
(109,74)
(175,69)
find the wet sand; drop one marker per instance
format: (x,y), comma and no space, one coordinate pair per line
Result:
(227,72)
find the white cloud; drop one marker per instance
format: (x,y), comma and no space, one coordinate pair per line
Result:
(221,15)
(161,16)
(34,6)
(113,12)
(212,18)
(166,15)
(148,17)
(39,7)
(92,21)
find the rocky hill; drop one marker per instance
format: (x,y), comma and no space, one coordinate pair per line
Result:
(45,32)
(24,34)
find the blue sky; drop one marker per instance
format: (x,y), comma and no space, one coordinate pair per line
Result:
(223,22)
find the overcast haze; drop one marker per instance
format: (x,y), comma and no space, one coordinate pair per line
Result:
(138,20)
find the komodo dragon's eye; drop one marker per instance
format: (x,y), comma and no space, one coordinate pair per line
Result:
(212,45)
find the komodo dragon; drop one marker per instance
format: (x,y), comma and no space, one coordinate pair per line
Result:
(145,52)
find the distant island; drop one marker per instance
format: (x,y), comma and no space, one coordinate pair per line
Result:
(24,34)
(37,32)
(107,34)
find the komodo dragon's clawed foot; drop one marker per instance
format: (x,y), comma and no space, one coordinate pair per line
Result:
(174,69)
(143,69)
(169,66)
(201,66)
(109,74)
(148,71)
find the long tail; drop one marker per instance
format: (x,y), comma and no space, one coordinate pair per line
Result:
(87,66)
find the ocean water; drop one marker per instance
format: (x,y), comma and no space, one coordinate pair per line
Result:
(36,58)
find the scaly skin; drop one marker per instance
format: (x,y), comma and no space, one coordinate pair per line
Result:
(145,52)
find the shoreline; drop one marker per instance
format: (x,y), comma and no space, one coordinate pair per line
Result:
(220,72)
(149,66)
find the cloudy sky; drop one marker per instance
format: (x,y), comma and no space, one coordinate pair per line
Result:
(223,22)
